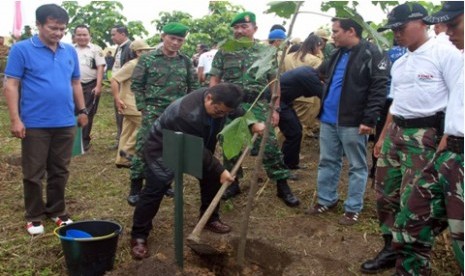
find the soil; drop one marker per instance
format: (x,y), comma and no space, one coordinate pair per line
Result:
(280,240)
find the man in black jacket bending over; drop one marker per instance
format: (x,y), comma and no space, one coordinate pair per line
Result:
(301,81)
(201,113)
(356,77)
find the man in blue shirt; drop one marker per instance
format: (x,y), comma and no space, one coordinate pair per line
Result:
(42,115)
(356,76)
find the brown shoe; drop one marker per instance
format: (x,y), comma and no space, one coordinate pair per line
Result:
(218,227)
(320,209)
(139,249)
(349,218)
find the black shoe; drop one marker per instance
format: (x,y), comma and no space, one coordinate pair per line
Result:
(169,192)
(386,258)
(125,155)
(133,199)
(296,167)
(232,191)
(285,193)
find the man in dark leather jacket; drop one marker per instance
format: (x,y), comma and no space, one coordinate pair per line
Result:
(356,78)
(200,113)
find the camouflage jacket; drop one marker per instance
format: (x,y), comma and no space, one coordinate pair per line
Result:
(234,67)
(159,80)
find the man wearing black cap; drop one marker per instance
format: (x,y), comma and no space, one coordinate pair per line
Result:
(421,82)
(436,200)
(233,67)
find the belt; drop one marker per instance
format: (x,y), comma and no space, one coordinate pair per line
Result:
(455,144)
(425,122)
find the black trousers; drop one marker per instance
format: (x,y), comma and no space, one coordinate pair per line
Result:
(158,180)
(291,128)
(91,102)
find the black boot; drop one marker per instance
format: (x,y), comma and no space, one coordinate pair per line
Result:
(386,258)
(136,186)
(232,191)
(285,193)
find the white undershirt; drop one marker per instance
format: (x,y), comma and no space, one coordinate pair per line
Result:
(421,80)
(454,113)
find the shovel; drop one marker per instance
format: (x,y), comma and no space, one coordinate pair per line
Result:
(193,240)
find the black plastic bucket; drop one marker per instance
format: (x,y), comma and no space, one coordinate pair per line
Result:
(92,255)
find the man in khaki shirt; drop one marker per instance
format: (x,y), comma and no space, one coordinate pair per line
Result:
(91,65)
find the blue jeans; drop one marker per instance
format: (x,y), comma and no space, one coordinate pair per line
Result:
(335,142)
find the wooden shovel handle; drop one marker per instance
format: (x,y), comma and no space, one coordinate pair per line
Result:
(203,220)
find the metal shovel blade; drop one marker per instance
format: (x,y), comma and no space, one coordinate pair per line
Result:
(202,248)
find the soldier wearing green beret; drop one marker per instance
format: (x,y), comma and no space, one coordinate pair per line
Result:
(159,78)
(233,67)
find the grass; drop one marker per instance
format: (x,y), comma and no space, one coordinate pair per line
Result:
(97,189)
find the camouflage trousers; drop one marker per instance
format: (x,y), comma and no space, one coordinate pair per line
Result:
(436,202)
(273,158)
(405,152)
(137,170)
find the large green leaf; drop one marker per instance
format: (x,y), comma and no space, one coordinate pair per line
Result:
(237,134)
(283,9)
(231,44)
(265,62)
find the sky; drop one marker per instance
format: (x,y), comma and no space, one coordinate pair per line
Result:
(146,11)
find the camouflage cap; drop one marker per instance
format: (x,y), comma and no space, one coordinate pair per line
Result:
(243,17)
(175,28)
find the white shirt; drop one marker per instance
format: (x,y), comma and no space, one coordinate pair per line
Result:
(206,59)
(444,38)
(89,56)
(421,80)
(117,65)
(454,112)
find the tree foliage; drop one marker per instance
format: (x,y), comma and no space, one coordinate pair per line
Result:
(210,29)
(101,16)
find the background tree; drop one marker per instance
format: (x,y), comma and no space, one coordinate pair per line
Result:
(101,16)
(348,9)
(212,28)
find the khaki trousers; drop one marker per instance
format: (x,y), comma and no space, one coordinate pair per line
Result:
(127,141)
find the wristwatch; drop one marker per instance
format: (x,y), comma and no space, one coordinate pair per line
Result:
(83,111)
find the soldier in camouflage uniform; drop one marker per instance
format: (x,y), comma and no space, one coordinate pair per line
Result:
(159,78)
(420,86)
(436,200)
(233,67)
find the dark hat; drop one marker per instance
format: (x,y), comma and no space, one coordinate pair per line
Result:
(175,28)
(449,11)
(277,35)
(402,14)
(243,17)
